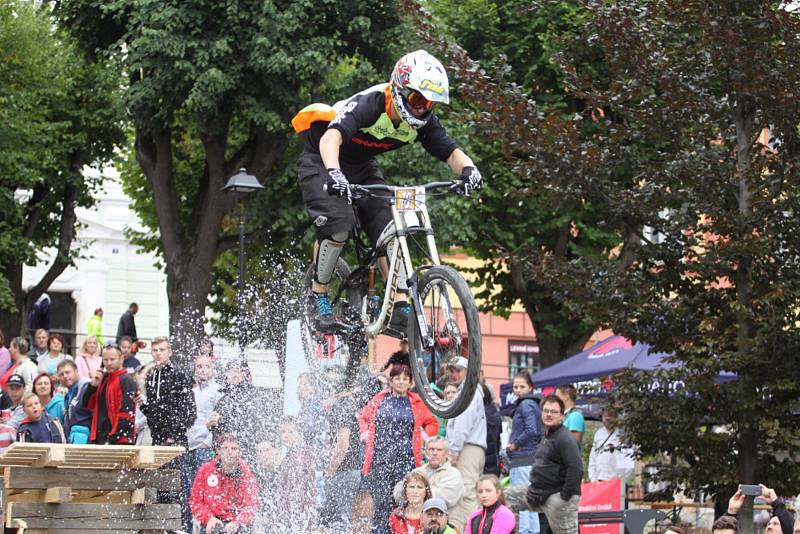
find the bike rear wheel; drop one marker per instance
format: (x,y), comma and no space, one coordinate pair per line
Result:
(453,325)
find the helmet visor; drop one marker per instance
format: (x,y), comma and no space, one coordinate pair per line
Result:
(418,104)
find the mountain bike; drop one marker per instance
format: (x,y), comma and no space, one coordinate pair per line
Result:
(443,325)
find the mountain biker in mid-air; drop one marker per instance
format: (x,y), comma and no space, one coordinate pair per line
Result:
(341,143)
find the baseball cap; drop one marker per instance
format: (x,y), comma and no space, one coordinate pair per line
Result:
(16,380)
(461,363)
(434,503)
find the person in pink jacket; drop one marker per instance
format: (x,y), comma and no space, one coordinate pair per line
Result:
(494,517)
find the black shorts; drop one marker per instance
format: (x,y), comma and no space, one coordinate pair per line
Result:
(331,215)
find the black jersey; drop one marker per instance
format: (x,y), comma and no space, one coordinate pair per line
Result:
(366,128)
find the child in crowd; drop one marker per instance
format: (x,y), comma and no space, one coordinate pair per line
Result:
(494,517)
(527,431)
(449,394)
(38,427)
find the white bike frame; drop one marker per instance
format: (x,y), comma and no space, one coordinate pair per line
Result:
(409,214)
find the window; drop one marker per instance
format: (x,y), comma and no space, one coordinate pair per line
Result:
(522,355)
(62,318)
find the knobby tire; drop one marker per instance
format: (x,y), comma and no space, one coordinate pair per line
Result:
(431,277)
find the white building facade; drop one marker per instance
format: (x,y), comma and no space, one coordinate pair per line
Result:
(111,272)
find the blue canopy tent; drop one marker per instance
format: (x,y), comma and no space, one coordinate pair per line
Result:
(603,359)
(589,367)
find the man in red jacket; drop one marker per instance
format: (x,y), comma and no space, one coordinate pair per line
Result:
(225,494)
(110,396)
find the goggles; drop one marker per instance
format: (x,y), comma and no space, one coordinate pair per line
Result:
(418,103)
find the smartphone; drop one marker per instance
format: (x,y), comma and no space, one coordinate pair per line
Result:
(750,489)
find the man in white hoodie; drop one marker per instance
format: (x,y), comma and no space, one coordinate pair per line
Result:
(466,435)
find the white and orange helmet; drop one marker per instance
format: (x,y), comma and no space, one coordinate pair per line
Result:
(417,82)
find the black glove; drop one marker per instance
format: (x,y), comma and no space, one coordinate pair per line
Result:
(338,185)
(472,180)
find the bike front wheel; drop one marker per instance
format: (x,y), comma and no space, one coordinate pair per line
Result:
(451,319)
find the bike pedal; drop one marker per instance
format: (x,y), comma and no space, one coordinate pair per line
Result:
(334,329)
(322,330)
(391,332)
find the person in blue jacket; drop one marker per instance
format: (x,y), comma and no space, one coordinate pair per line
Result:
(526,433)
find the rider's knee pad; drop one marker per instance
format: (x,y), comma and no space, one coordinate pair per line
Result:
(327,256)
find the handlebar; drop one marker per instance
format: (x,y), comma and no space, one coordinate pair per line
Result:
(361,191)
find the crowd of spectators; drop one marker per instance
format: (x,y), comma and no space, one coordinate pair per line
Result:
(369,458)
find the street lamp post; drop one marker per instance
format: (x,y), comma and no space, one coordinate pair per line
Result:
(242,184)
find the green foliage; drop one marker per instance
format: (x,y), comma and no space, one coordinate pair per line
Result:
(507,122)
(654,206)
(711,218)
(57,114)
(212,87)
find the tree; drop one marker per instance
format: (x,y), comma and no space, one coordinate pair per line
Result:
(211,89)
(699,104)
(57,115)
(510,96)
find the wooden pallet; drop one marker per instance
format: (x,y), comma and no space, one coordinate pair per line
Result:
(88,500)
(101,517)
(87,456)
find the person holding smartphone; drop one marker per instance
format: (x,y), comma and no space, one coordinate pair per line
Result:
(781,521)
(110,395)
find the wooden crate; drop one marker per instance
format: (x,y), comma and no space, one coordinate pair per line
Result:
(88,489)
(92,456)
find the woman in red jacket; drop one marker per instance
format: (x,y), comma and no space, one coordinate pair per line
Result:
(225,494)
(393,426)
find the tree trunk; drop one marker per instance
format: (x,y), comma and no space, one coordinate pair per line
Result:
(746,129)
(187,291)
(190,247)
(12,323)
(748,468)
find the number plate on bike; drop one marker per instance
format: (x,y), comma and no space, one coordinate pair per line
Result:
(409,198)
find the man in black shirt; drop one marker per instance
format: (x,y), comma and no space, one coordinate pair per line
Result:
(170,410)
(341,143)
(557,471)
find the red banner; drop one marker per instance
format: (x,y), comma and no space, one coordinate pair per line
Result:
(601,497)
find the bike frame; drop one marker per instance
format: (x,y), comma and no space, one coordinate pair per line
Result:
(409,216)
